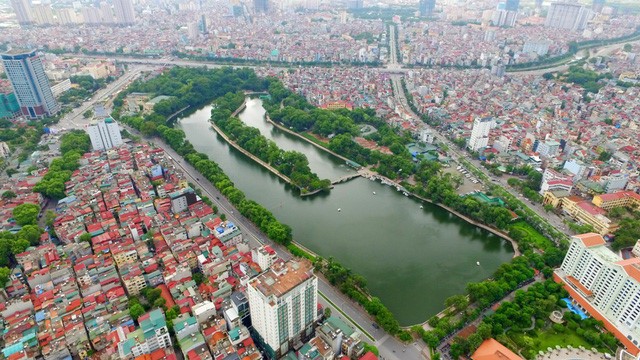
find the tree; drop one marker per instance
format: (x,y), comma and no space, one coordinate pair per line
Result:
(627,47)
(31,233)
(604,156)
(459,302)
(8,195)
(5,273)
(26,214)
(86,237)
(135,311)
(87,114)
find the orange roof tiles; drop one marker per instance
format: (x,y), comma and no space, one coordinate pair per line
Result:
(579,285)
(591,239)
(491,349)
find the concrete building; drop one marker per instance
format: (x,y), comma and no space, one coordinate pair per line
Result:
(568,16)
(548,148)
(617,199)
(283,304)
(553,180)
(104,134)
(125,14)
(152,335)
(605,285)
(264,256)
(261,6)
(30,83)
(480,133)
(426,7)
(512,5)
(22,8)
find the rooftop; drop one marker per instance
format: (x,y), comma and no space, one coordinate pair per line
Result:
(283,277)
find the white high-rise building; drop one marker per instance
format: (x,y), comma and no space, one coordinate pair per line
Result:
(125,14)
(480,133)
(104,134)
(567,15)
(283,304)
(605,285)
(22,8)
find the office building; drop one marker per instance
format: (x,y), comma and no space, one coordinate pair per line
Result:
(283,305)
(568,16)
(152,335)
(261,6)
(22,8)
(125,14)
(30,84)
(604,285)
(202,24)
(426,7)
(512,5)
(480,133)
(104,134)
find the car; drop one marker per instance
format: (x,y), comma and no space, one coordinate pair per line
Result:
(375,326)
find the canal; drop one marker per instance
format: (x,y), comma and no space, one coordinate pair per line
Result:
(412,258)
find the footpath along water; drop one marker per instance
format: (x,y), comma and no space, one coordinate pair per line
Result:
(412,258)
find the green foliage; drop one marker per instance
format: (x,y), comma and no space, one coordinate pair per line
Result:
(87,85)
(136,310)
(296,251)
(368,347)
(198,278)
(5,273)
(75,140)
(605,156)
(86,237)
(72,145)
(292,164)
(31,233)
(9,195)
(627,234)
(26,214)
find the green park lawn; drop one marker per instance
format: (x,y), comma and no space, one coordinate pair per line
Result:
(537,239)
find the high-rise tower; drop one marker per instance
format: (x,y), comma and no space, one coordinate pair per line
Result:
(125,15)
(426,7)
(22,8)
(30,84)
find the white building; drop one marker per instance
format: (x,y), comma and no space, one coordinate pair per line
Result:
(605,285)
(283,304)
(104,134)
(548,148)
(264,256)
(616,182)
(567,15)
(480,133)
(553,180)
(577,168)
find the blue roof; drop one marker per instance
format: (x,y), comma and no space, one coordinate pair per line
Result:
(10,350)
(40,316)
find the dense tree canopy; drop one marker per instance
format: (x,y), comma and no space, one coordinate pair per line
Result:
(26,214)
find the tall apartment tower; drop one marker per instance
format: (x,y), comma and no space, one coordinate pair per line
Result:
(512,5)
(22,8)
(480,133)
(283,305)
(30,84)
(104,134)
(568,16)
(426,7)
(604,285)
(125,14)
(261,6)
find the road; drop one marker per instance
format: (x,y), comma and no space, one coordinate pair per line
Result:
(74,118)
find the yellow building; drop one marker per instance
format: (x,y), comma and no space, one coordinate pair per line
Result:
(618,199)
(554,198)
(125,255)
(587,213)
